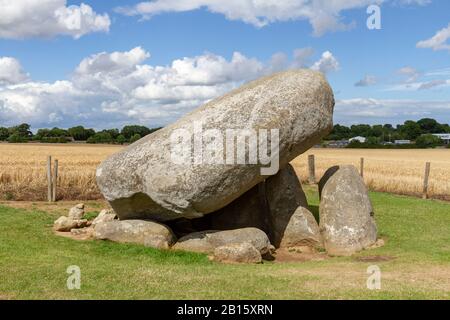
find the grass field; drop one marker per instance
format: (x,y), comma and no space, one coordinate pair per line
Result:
(23,175)
(415,262)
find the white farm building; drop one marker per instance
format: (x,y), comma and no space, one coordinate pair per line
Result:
(443,136)
(359,139)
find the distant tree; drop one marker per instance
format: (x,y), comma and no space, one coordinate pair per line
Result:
(360,130)
(446,128)
(410,130)
(377,131)
(339,133)
(57,132)
(428,125)
(100,137)
(4,133)
(121,139)
(428,141)
(373,141)
(114,133)
(42,133)
(79,133)
(135,138)
(16,138)
(130,131)
(22,130)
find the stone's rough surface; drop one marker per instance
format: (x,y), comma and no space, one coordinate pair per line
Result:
(237,253)
(195,242)
(284,195)
(83,233)
(249,210)
(301,230)
(147,233)
(346,215)
(208,241)
(77,212)
(142,181)
(64,223)
(274,206)
(104,216)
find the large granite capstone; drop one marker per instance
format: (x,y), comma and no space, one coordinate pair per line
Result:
(144,182)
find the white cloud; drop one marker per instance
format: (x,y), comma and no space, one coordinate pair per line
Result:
(414,80)
(47,18)
(409,73)
(111,62)
(11,71)
(373,111)
(433,84)
(326,64)
(111,89)
(438,41)
(323,15)
(368,80)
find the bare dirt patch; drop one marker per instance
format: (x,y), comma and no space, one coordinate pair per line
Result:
(298,255)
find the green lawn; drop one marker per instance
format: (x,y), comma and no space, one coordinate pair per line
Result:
(33,263)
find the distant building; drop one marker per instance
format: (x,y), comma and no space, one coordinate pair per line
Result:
(337,144)
(402,142)
(443,136)
(359,139)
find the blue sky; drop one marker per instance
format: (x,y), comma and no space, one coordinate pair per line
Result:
(151,63)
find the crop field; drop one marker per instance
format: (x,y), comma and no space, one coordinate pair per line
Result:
(393,171)
(23,169)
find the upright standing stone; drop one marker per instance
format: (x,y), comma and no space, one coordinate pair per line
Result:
(346,214)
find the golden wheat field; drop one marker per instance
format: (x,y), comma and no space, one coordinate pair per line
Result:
(394,171)
(23,173)
(23,169)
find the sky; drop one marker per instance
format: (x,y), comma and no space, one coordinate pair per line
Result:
(106,64)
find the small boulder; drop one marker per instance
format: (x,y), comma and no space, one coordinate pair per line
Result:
(302,230)
(83,233)
(237,253)
(104,216)
(347,219)
(208,241)
(148,233)
(290,221)
(64,223)
(77,212)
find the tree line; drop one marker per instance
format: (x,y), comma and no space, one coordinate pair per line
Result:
(420,133)
(22,133)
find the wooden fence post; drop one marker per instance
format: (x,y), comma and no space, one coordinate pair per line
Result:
(361,170)
(49,179)
(312,169)
(425,180)
(55,180)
